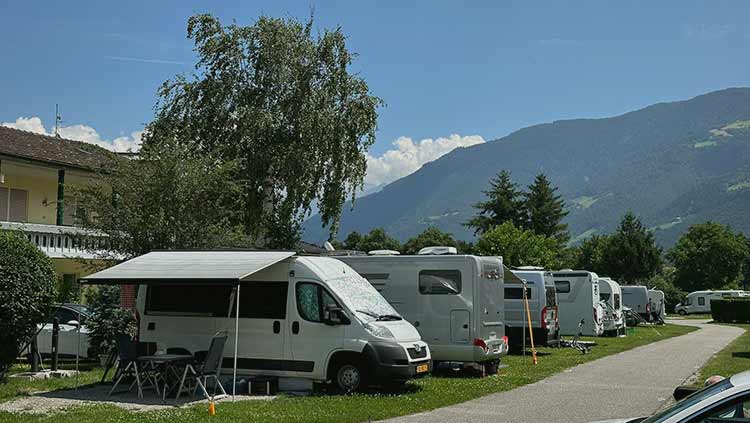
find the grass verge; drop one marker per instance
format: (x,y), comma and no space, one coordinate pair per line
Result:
(690,317)
(734,358)
(422,395)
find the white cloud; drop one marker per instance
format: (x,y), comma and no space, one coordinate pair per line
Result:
(82,133)
(409,156)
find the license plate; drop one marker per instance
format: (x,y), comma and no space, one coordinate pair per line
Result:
(423,368)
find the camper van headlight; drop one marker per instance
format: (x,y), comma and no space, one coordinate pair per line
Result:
(379,331)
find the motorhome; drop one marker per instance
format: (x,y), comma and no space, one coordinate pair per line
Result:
(578,300)
(542,299)
(700,301)
(614,318)
(454,301)
(658,305)
(636,297)
(313,318)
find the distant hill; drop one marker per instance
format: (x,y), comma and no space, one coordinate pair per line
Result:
(674,164)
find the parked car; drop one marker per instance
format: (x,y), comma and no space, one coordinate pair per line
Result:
(725,401)
(700,301)
(68,337)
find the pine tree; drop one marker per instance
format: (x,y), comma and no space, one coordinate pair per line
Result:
(631,254)
(546,210)
(504,203)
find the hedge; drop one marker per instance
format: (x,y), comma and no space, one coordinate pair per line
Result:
(731,310)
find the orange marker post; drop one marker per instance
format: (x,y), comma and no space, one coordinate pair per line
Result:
(531,330)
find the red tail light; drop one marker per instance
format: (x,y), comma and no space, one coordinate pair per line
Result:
(648,308)
(544,318)
(478,342)
(506,342)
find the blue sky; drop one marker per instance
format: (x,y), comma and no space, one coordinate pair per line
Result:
(482,68)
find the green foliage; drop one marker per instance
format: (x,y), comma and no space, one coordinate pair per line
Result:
(284,104)
(376,239)
(519,247)
(708,256)
(108,319)
(68,290)
(431,237)
(664,281)
(504,203)
(546,210)
(728,310)
(169,198)
(592,254)
(27,290)
(631,254)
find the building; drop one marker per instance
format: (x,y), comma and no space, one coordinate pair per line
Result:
(36,173)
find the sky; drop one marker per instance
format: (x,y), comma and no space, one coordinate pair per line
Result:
(451,73)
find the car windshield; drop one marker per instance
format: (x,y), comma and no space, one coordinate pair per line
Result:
(80,308)
(360,296)
(690,401)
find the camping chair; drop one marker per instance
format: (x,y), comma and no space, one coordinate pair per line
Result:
(127,354)
(206,369)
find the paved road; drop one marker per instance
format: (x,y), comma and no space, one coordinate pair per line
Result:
(645,378)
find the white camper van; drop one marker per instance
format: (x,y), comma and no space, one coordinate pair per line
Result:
(658,305)
(611,295)
(700,301)
(636,298)
(304,317)
(578,300)
(542,298)
(454,301)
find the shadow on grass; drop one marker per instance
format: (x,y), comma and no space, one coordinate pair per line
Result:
(741,354)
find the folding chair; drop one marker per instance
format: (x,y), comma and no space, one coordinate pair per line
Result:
(128,366)
(209,368)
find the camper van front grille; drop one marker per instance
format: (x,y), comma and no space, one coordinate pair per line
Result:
(414,354)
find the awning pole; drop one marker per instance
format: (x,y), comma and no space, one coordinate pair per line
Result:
(236,333)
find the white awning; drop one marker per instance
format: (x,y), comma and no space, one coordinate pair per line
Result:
(510,277)
(185,267)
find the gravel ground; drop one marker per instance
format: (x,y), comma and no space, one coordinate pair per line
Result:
(629,384)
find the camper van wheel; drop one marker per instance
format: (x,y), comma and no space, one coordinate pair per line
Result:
(349,377)
(490,368)
(682,313)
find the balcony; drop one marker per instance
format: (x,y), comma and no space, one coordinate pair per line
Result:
(59,241)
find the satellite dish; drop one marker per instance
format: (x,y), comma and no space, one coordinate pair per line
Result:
(328,246)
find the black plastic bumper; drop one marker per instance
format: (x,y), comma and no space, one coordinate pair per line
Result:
(389,362)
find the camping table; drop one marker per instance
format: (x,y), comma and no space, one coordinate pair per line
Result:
(169,368)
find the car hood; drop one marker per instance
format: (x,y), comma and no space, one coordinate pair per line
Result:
(630,420)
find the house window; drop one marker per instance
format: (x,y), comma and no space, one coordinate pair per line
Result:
(13,205)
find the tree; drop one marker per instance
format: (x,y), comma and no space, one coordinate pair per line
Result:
(376,239)
(431,237)
(168,198)
(631,254)
(504,203)
(708,256)
(108,319)
(519,247)
(664,281)
(285,106)
(27,284)
(546,210)
(592,253)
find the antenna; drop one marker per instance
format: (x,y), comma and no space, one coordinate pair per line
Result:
(58,121)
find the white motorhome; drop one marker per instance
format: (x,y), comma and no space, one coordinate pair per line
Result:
(636,298)
(658,305)
(542,298)
(454,301)
(614,317)
(578,300)
(700,301)
(304,317)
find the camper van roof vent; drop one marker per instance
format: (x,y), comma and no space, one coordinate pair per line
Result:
(528,268)
(437,251)
(383,253)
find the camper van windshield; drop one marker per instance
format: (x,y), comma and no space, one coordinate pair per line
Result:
(360,296)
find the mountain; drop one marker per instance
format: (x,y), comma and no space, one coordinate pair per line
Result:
(673,164)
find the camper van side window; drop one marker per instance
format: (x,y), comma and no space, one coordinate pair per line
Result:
(440,282)
(562,287)
(701,301)
(516,293)
(312,300)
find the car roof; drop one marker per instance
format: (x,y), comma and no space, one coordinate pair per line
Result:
(741,379)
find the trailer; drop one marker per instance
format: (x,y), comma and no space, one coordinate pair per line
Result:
(614,316)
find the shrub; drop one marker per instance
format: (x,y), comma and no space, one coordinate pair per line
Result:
(108,320)
(27,289)
(731,310)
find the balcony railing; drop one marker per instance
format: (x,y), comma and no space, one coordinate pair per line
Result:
(60,241)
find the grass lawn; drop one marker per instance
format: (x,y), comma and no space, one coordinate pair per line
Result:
(17,387)
(691,317)
(422,395)
(733,359)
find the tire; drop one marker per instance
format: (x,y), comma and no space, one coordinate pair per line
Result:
(349,377)
(682,313)
(491,368)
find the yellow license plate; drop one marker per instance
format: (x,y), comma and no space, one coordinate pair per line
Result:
(423,368)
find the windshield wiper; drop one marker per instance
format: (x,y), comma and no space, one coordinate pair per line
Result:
(369,313)
(389,317)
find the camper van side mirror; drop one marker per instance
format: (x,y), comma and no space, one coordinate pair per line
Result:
(333,315)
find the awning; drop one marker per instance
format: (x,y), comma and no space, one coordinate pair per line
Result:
(185,267)
(510,277)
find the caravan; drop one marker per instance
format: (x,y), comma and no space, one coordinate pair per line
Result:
(614,317)
(578,300)
(454,301)
(700,301)
(636,298)
(304,317)
(542,298)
